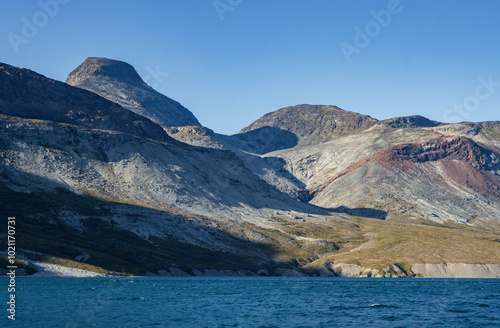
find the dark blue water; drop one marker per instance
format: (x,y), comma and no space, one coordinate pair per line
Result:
(254,302)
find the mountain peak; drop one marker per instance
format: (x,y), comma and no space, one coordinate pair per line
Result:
(413,121)
(104,68)
(314,124)
(119,82)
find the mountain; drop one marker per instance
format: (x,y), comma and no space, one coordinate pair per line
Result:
(93,185)
(413,121)
(119,82)
(75,183)
(405,170)
(82,179)
(312,124)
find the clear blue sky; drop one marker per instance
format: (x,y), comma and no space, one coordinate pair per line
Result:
(426,58)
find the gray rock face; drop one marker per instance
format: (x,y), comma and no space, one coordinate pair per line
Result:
(119,82)
(118,166)
(26,94)
(65,179)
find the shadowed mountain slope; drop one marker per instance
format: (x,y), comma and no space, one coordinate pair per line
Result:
(26,94)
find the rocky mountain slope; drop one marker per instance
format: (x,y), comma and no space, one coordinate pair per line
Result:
(447,178)
(169,190)
(96,186)
(412,172)
(119,82)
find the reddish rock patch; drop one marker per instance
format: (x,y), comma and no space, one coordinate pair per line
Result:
(456,148)
(464,174)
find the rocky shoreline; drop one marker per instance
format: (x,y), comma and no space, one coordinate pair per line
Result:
(418,270)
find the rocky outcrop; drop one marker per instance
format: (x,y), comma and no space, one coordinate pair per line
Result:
(209,182)
(118,81)
(449,148)
(441,270)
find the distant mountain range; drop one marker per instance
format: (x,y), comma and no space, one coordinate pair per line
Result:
(105,173)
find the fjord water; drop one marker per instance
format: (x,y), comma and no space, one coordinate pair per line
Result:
(255,302)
